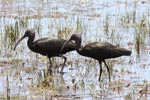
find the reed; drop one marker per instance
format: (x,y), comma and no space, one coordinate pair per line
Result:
(140,34)
(106,25)
(11,34)
(7,88)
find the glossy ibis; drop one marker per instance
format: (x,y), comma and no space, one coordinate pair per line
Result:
(47,47)
(97,50)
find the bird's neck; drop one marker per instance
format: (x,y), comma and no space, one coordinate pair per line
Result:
(78,46)
(30,41)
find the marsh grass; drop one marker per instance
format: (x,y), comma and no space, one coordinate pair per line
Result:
(64,32)
(11,33)
(42,75)
(128,19)
(144,91)
(12,30)
(7,88)
(43,78)
(23,22)
(78,24)
(69,27)
(106,25)
(134,12)
(140,34)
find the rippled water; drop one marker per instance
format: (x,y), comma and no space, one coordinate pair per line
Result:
(119,22)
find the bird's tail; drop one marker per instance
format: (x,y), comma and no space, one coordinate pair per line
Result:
(124,52)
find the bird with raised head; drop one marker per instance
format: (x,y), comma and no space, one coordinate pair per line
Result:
(47,47)
(97,50)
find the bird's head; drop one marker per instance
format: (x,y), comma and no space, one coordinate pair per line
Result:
(76,37)
(28,33)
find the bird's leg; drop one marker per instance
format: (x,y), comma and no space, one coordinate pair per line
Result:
(107,69)
(50,67)
(63,63)
(100,73)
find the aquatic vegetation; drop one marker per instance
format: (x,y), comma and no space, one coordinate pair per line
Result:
(7,89)
(11,33)
(140,34)
(106,26)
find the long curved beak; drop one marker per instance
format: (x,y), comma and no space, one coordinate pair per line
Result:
(62,48)
(18,42)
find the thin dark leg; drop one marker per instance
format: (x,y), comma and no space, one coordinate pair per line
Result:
(63,63)
(100,67)
(50,67)
(107,69)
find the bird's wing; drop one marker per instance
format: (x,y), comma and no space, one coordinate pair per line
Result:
(100,50)
(43,43)
(48,45)
(53,45)
(104,50)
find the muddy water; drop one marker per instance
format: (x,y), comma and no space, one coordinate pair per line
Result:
(22,72)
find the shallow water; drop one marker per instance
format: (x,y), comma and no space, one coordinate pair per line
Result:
(22,72)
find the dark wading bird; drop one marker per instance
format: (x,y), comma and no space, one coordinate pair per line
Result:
(98,51)
(47,47)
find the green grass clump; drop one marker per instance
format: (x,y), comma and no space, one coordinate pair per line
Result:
(11,34)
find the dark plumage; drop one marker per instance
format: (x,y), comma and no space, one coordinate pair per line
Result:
(97,50)
(47,47)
